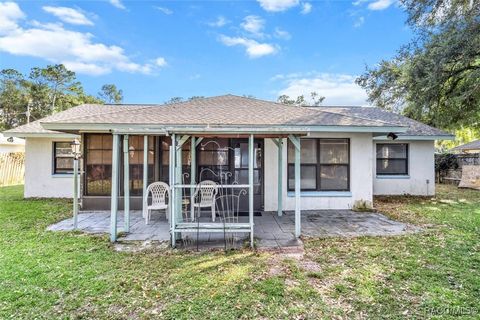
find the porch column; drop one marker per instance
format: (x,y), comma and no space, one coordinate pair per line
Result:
(250,186)
(172,190)
(179,176)
(178,180)
(114,191)
(75,192)
(193,172)
(296,142)
(126,184)
(280,177)
(145,174)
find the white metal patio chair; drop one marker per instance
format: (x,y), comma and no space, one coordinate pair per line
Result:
(160,192)
(204,196)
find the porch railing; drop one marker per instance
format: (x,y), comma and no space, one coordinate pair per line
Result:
(187,218)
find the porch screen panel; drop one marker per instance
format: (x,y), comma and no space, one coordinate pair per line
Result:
(213,159)
(325,165)
(240,165)
(135,154)
(165,143)
(98,164)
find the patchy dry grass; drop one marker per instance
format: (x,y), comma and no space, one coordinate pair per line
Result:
(48,275)
(435,273)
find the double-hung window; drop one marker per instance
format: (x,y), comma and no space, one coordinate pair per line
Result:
(62,158)
(325,165)
(392,159)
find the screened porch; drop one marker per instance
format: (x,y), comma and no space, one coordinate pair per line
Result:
(232,164)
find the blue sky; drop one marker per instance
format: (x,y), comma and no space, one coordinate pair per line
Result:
(155,50)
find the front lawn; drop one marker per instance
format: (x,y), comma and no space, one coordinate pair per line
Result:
(70,275)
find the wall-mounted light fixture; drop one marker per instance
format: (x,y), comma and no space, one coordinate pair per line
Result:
(392,136)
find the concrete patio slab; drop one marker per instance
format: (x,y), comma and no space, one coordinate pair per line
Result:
(271,231)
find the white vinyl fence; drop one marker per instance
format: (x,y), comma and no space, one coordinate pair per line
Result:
(12,168)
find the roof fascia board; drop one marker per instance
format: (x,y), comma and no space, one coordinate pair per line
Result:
(39,135)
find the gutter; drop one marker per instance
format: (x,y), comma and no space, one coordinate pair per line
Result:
(40,135)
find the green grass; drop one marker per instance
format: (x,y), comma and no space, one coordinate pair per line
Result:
(71,275)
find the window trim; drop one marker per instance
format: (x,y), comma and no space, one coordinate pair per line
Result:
(406,159)
(318,166)
(54,161)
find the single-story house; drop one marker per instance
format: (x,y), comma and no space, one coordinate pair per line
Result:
(11,144)
(471,147)
(288,158)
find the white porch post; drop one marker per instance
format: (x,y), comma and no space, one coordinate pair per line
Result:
(126,184)
(193,171)
(250,185)
(172,190)
(75,193)
(178,180)
(179,176)
(114,192)
(280,177)
(145,173)
(296,143)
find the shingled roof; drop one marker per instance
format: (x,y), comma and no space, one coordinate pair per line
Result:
(227,111)
(415,128)
(473,145)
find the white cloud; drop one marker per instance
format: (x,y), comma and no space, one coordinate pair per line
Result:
(253,48)
(359,2)
(118,4)
(253,24)
(278,5)
(306,8)
(359,22)
(282,34)
(338,89)
(56,44)
(86,68)
(380,4)
(161,62)
(10,13)
(69,15)
(220,22)
(164,10)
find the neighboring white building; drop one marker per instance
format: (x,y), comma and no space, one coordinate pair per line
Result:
(11,144)
(346,157)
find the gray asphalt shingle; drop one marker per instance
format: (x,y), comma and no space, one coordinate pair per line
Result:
(229,110)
